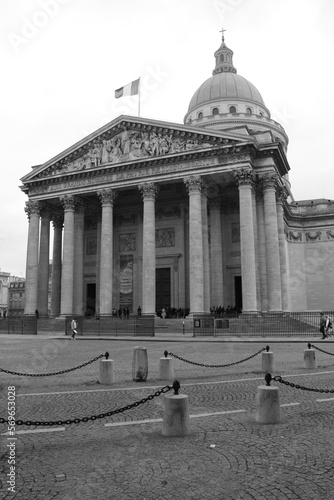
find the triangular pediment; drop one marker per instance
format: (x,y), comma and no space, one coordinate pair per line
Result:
(131,139)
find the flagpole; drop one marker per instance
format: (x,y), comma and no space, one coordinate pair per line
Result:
(139,98)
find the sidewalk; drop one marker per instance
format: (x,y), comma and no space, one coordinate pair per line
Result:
(177,337)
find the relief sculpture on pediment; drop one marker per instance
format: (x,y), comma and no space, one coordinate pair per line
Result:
(127,145)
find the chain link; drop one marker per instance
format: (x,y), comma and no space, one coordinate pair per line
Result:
(216,366)
(318,349)
(164,389)
(279,379)
(55,373)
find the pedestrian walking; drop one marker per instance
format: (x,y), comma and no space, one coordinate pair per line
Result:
(74,328)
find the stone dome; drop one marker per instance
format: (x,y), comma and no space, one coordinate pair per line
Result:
(227,101)
(225,85)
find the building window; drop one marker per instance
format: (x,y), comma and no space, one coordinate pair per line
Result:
(227,58)
(215,111)
(261,114)
(200,116)
(221,57)
(248,111)
(233,110)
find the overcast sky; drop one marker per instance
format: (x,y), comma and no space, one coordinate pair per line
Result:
(63,59)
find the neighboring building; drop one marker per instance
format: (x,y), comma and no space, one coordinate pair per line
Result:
(16,297)
(155,214)
(4,284)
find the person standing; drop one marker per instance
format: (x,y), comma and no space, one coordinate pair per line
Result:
(74,328)
(328,326)
(322,325)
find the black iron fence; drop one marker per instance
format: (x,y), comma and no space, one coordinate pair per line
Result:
(135,326)
(304,323)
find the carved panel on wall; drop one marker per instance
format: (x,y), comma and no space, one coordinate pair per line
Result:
(127,242)
(91,245)
(235,227)
(124,219)
(330,235)
(168,212)
(165,237)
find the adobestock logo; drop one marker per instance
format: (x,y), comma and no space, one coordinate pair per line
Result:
(224,7)
(30,28)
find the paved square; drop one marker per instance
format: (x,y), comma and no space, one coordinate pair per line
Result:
(227,456)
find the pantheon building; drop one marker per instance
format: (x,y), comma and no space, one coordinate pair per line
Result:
(152,214)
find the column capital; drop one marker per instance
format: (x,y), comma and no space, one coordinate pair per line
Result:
(57,219)
(148,190)
(107,196)
(281,195)
(215,203)
(269,180)
(193,183)
(80,206)
(32,207)
(244,176)
(45,209)
(68,202)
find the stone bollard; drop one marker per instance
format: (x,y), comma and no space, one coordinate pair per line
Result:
(309,358)
(267,361)
(268,410)
(176,421)
(106,370)
(166,368)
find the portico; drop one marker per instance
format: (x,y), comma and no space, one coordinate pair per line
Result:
(114,224)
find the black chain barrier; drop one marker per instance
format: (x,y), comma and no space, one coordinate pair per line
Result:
(318,349)
(55,373)
(279,379)
(95,417)
(166,353)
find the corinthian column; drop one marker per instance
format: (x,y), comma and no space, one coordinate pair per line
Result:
(196,265)
(245,179)
(149,192)
(107,198)
(283,251)
(262,249)
(216,253)
(66,303)
(206,257)
(79,222)
(32,210)
(272,245)
(57,221)
(43,264)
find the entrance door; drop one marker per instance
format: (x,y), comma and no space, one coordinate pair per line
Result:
(238,292)
(90,299)
(162,288)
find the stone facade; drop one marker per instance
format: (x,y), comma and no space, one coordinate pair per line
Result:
(152,214)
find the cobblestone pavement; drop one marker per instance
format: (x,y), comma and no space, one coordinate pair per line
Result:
(227,456)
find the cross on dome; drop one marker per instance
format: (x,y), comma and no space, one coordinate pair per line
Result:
(222,32)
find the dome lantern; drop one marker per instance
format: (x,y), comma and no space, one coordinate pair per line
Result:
(224,58)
